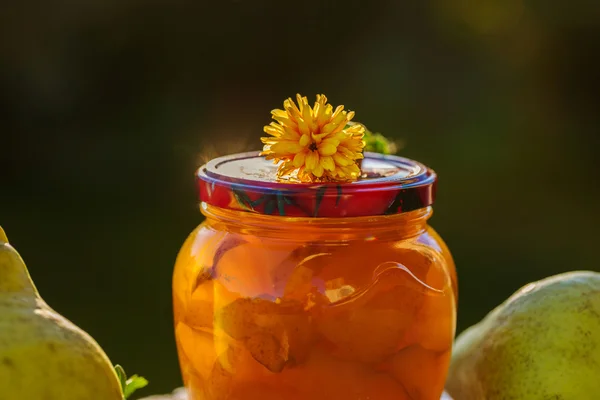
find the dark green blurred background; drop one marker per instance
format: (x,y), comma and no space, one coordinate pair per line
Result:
(108,106)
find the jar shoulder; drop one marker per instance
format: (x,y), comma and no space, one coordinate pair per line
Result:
(432,239)
(213,250)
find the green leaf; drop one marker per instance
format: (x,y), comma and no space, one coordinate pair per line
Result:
(122,376)
(133,384)
(129,386)
(377,143)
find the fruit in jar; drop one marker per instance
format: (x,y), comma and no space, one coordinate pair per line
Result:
(412,367)
(323,319)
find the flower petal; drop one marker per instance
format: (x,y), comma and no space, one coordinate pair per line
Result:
(303,127)
(268,140)
(331,140)
(325,116)
(292,109)
(299,159)
(302,102)
(286,121)
(341,160)
(345,151)
(356,129)
(340,117)
(278,113)
(317,137)
(337,112)
(286,167)
(286,148)
(290,134)
(274,130)
(327,163)
(327,149)
(352,171)
(307,114)
(312,160)
(318,171)
(304,140)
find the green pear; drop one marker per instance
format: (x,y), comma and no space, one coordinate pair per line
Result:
(543,343)
(43,356)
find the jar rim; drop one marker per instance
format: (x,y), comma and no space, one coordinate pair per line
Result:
(247,182)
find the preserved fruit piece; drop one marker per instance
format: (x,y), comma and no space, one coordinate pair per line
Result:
(275,334)
(324,377)
(370,323)
(194,267)
(302,283)
(198,346)
(200,310)
(264,391)
(435,322)
(432,241)
(414,368)
(184,363)
(245,270)
(267,350)
(235,368)
(365,335)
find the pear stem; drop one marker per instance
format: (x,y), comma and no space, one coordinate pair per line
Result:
(14,277)
(3,238)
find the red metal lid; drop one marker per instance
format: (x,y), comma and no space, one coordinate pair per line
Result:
(248,182)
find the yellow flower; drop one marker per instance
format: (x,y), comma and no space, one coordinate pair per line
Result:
(314,143)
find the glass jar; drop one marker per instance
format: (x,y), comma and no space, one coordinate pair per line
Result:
(314,291)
